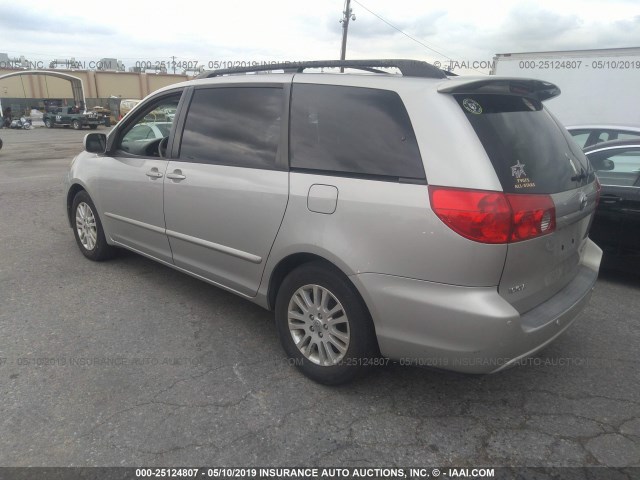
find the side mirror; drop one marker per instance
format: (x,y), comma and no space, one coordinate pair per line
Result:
(95,142)
(607,165)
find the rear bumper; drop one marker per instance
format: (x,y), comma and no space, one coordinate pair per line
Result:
(468,329)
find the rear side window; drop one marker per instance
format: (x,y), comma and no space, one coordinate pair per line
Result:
(581,137)
(349,130)
(233,126)
(530,152)
(628,136)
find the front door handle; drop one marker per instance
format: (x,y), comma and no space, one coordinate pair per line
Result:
(176,175)
(154,173)
(610,199)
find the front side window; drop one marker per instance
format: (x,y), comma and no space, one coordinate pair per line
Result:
(350,130)
(139,132)
(236,126)
(143,136)
(619,167)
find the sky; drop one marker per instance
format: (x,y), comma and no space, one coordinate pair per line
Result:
(294,30)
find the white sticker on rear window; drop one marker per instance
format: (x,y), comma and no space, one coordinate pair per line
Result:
(522,181)
(472,106)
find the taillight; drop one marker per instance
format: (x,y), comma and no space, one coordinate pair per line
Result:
(533,215)
(478,215)
(493,217)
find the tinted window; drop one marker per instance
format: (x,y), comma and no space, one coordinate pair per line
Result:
(530,152)
(233,126)
(353,130)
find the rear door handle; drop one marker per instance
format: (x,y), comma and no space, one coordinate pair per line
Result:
(154,173)
(176,175)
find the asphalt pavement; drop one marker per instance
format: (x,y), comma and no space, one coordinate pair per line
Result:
(130,363)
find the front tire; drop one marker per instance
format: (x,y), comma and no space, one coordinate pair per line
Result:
(88,229)
(324,326)
(48,123)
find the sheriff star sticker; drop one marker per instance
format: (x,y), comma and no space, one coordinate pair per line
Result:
(518,170)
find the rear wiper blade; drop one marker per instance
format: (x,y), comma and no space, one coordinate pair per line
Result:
(581,176)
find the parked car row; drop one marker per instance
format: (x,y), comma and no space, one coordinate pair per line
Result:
(616,226)
(614,152)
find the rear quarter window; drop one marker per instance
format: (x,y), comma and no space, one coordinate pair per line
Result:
(529,150)
(353,131)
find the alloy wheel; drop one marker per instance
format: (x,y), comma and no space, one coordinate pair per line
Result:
(86,226)
(319,325)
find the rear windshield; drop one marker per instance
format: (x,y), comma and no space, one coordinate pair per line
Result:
(530,152)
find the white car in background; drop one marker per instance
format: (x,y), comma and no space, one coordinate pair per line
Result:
(587,135)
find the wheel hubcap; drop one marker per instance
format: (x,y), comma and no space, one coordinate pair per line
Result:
(86,226)
(318,325)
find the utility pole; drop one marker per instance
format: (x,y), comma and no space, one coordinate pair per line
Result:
(347,15)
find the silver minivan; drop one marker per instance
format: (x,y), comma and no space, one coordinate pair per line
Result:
(398,213)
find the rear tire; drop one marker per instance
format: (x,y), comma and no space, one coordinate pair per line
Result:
(76,125)
(324,326)
(48,123)
(87,229)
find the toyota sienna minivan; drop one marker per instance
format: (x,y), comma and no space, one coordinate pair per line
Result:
(396,213)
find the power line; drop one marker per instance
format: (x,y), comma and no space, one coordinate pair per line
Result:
(409,36)
(402,32)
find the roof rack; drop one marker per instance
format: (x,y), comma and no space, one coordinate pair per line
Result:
(408,68)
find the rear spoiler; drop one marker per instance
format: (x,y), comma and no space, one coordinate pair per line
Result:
(523,87)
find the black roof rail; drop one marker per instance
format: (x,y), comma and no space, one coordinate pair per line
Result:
(408,68)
